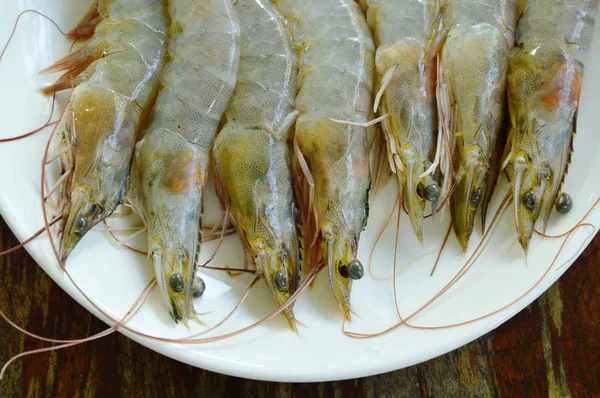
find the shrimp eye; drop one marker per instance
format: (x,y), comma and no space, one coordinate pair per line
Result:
(281,281)
(476,196)
(176,283)
(432,192)
(354,270)
(529,200)
(82,225)
(564,203)
(198,287)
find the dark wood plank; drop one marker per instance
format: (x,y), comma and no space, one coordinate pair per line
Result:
(551,348)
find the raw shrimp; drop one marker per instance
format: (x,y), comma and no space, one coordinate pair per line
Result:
(473,68)
(407,36)
(331,163)
(170,166)
(544,82)
(251,155)
(116,79)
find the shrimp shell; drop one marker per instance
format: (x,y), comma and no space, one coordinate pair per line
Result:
(407,34)
(544,83)
(116,79)
(251,153)
(331,163)
(473,65)
(171,162)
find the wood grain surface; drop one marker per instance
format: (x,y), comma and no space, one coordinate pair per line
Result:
(549,349)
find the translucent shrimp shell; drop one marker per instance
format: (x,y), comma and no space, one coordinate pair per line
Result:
(544,83)
(407,38)
(116,79)
(251,153)
(331,169)
(171,162)
(473,65)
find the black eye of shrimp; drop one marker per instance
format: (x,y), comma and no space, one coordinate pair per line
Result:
(432,192)
(476,196)
(529,200)
(281,282)
(564,203)
(199,287)
(354,270)
(82,225)
(176,283)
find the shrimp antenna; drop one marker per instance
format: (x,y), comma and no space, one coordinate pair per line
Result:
(31,238)
(456,278)
(380,236)
(14,29)
(142,298)
(36,130)
(5,47)
(471,261)
(439,256)
(224,225)
(565,234)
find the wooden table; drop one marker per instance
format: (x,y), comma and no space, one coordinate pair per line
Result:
(550,348)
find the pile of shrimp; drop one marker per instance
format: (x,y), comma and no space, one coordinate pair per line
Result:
(304,110)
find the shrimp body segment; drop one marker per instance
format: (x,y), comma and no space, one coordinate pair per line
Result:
(474,62)
(170,167)
(544,83)
(407,36)
(116,79)
(331,165)
(251,153)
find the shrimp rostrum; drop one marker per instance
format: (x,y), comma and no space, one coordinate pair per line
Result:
(116,78)
(407,37)
(251,153)
(170,166)
(473,66)
(331,164)
(544,83)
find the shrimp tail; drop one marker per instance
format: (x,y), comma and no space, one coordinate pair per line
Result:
(87,26)
(69,80)
(77,60)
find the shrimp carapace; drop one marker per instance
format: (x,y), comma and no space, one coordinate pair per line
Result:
(116,83)
(331,162)
(544,83)
(170,165)
(251,154)
(408,36)
(473,66)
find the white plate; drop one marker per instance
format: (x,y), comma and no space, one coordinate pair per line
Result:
(113,277)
